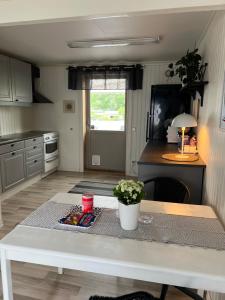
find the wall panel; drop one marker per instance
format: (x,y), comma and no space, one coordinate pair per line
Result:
(15,119)
(211,137)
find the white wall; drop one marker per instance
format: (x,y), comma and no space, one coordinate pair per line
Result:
(22,11)
(15,119)
(211,137)
(53,84)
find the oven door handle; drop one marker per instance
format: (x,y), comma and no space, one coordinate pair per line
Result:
(51,142)
(51,159)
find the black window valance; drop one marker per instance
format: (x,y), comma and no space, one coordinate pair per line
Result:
(81,78)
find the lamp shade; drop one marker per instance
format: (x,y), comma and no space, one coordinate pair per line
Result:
(184,120)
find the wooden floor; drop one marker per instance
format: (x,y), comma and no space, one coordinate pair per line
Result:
(31,282)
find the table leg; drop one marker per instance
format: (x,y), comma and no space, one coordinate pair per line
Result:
(6,277)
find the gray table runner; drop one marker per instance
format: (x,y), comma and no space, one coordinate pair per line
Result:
(174,229)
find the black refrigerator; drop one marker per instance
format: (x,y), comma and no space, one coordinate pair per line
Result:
(167,101)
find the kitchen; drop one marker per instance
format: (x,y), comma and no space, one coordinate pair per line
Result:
(37,138)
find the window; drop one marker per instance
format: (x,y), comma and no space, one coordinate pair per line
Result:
(107,106)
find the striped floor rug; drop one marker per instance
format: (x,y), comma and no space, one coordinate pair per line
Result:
(97,188)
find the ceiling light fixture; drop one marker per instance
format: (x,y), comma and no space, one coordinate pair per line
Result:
(113,43)
(107,17)
(110,45)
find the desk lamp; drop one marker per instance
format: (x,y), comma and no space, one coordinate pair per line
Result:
(182,121)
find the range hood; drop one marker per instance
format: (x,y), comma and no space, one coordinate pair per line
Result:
(37,96)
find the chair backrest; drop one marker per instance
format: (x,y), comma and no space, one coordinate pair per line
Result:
(166,189)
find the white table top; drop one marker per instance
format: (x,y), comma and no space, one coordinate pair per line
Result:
(163,263)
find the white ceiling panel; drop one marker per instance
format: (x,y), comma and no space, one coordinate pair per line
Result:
(47,43)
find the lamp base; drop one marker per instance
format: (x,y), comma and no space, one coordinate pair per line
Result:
(180,157)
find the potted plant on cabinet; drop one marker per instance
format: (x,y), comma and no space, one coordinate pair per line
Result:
(191,71)
(129,194)
(189,68)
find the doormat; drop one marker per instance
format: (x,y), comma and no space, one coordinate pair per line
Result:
(96,188)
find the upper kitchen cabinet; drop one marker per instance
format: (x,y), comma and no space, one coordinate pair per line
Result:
(21,81)
(15,82)
(5,79)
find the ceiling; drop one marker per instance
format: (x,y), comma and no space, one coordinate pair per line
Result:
(47,43)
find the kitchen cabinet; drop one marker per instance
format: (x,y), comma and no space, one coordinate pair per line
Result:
(21,157)
(15,82)
(12,169)
(151,165)
(5,79)
(34,156)
(21,81)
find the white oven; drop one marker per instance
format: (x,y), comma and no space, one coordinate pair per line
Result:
(51,151)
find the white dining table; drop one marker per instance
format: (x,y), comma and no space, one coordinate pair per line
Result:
(191,267)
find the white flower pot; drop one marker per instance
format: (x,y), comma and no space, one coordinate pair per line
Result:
(129,215)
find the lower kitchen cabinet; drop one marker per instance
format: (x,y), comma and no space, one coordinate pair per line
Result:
(12,169)
(20,161)
(34,166)
(34,154)
(152,165)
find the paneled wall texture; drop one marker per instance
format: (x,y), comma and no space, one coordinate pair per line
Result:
(211,137)
(15,119)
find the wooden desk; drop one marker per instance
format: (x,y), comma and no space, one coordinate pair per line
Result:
(151,164)
(191,267)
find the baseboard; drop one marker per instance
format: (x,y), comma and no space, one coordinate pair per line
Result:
(19,188)
(48,173)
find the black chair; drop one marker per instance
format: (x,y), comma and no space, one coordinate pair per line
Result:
(166,189)
(133,296)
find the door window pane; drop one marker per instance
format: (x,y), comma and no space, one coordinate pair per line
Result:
(107,110)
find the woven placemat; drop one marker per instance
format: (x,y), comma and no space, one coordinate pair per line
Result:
(180,157)
(165,228)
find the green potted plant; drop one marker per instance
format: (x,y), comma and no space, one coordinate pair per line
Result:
(189,68)
(129,194)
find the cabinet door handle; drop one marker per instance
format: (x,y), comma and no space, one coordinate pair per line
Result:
(13,153)
(12,145)
(34,147)
(17,100)
(35,161)
(34,140)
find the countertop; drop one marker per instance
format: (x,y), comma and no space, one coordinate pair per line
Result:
(5,139)
(152,155)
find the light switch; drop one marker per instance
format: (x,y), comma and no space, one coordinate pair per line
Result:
(95,160)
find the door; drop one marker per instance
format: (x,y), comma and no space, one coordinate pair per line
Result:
(106,136)
(21,81)
(12,169)
(5,79)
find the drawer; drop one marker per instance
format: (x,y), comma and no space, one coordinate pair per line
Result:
(35,159)
(34,151)
(34,167)
(11,147)
(34,141)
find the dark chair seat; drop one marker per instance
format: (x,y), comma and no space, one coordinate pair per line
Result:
(166,189)
(133,296)
(169,189)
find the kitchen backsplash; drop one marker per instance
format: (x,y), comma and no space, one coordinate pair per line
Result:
(15,119)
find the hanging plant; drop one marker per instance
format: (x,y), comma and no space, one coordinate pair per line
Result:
(189,68)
